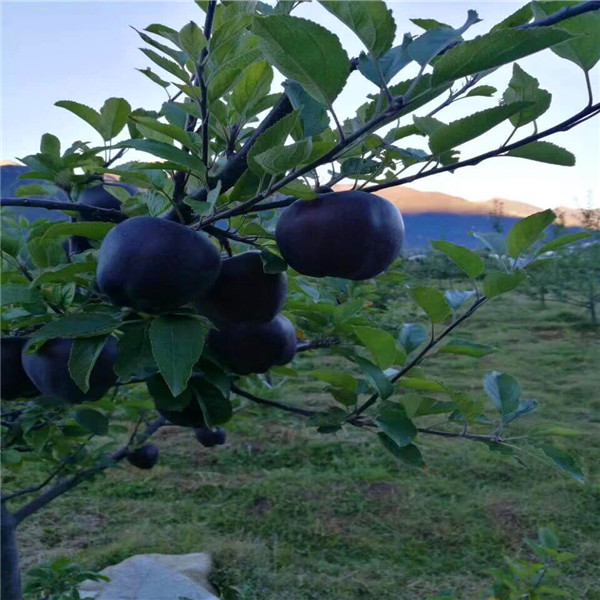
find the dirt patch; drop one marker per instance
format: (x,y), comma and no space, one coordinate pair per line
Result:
(509,518)
(261,507)
(381,490)
(550,334)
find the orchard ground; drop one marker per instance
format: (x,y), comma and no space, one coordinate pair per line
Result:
(289,514)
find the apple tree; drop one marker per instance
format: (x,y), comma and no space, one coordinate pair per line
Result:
(203,243)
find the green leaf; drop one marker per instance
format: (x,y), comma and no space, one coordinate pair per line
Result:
(497,283)
(432,42)
(410,454)
(503,389)
(468,407)
(432,301)
(412,335)
(273,136)
(521,16)
(428,24)
(50,144)
(167,152)
(64,272)
(322,65)
(216,408)
(372,22)
(168,65)
(93,420)
(84,353)
(525,407)
(525,88)
(471,263)
(392,420)
(376,376)
(544,152)
(177,55)
(177,343)
(564,461)
(166,129)
(492,240)
(34,189)
(167,32)
(192,41)
(299,189)
(336,378)
(554,430)
(468,348)
(563,240)
(162,396)
(583,50)
(113,117)
(468,128)
(493,50)
(13,293)
(457,298)
(148,72)
(95,230)
(527,231)
(45,253)
(77,325)
(313,114)
(379,343)
(135,353)
(89,115)
(272,263)
(283,158)
(10,245)
(252,87)
(482,90)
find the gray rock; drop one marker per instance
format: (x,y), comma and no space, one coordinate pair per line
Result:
(154,577)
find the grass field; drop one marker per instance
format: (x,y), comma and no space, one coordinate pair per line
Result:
(289,514)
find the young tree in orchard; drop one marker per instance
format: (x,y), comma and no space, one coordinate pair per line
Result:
(224,251)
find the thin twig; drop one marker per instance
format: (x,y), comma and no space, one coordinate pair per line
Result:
(419,358)
(565,125)
(67,484)
(103,214)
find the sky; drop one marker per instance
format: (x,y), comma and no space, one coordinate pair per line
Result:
(87,51)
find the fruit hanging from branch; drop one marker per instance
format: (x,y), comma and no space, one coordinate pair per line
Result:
(243,292)
(155,265)
(48,368)
(144,457)
(14,381)
(254,347)
(350,234)
(210,437)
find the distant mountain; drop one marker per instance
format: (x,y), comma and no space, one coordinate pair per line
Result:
(437,216)
(427,215)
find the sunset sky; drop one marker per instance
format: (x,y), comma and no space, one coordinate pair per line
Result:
(86,51)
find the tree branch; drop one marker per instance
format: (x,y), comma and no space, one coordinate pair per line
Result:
(68,484)
(272,403)
(419,358)
(586,113)
(103,214)
(208,23)
(324,343)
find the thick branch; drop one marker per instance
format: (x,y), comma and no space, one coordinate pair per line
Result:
(68,484)
(586,113)
(102,214)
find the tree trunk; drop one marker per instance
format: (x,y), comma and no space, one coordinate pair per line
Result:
(11,575)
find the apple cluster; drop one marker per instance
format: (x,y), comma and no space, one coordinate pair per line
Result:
(155,265)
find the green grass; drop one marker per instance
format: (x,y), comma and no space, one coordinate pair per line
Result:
(289,514)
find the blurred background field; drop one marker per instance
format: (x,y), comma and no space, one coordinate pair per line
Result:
(290,514)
